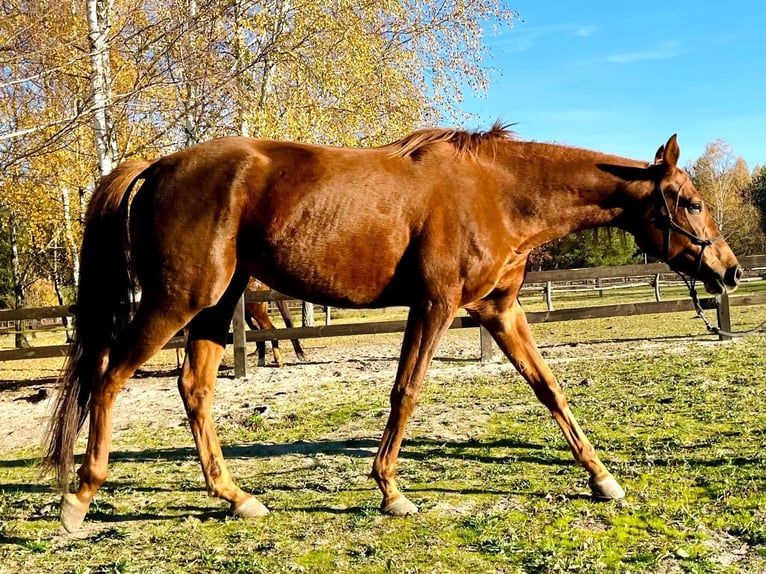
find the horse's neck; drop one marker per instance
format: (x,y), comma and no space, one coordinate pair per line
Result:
(568,189)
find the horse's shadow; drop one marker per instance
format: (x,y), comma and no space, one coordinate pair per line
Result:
(505,451)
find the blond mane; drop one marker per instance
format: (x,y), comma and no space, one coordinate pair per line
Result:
(464,142)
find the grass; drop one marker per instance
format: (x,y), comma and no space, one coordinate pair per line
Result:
(680,420)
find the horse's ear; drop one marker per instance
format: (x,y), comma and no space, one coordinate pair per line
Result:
(659,155)
(672,152)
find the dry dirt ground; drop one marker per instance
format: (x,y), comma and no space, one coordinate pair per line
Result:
(151,399)
(27,388)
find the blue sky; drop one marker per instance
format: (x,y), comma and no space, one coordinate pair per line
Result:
(621,77)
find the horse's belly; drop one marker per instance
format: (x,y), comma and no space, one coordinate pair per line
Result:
(361,271)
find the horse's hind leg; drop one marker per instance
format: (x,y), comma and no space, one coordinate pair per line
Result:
(207,337)
(151,328)
(505,320)
(255,314)
(261,317)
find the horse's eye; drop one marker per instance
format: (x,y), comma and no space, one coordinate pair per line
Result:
(694,207)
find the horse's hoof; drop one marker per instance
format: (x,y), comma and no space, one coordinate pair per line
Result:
(606,489)
(249,508)
(400,506)
(72,512)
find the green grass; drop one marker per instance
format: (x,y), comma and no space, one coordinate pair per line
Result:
(680,421)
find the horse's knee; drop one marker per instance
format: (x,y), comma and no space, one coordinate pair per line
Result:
(194,395)
(550,396)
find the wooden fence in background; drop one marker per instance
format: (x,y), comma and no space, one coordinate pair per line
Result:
(542,280)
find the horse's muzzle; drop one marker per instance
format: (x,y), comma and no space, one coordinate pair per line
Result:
(725,283)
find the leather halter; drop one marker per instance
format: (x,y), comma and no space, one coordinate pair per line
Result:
(672,226)
(691,282)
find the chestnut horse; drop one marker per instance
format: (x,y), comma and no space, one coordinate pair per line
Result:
(257,317)
(439,220)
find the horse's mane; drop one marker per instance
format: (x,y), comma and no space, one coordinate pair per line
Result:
(465,142)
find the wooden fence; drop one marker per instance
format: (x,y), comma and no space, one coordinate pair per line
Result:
(542,281)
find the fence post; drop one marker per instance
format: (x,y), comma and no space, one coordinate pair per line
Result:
(307,313)
(657,294)
(724,314)
(327,315)
(548,294)
(487,345)
(240,347)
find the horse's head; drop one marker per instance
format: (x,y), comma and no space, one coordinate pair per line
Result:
(678,227)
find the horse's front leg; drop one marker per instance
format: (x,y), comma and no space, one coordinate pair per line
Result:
(506,321)
(425,326)
(207,337)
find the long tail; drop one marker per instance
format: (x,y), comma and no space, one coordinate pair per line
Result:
(102,311)
(288,319)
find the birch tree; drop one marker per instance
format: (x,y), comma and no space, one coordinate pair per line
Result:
(99,14)
(725,184)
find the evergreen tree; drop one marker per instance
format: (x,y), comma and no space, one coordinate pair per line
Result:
(589,248)
(758,193)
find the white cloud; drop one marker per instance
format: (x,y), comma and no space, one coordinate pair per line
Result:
(521,38)
(585,31)
(665,51)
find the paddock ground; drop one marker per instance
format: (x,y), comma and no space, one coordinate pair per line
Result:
(678,416)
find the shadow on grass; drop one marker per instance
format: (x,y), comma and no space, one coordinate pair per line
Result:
(361,448)
(15,385)
(417,449)
(108,515)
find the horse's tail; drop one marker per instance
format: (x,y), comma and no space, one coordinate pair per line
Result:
(101,313)
(288,319)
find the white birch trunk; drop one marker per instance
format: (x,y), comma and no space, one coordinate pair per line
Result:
(191,126)
(99,15)
(71,245)
(239,67)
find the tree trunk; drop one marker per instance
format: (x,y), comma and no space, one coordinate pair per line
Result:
(191,103)
(18,280)
(60,298)
(72,249)
(99,16)
(240,65)
(307,313)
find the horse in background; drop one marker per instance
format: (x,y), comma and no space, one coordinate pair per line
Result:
(257,317)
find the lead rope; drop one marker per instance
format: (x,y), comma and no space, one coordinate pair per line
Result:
(690,285)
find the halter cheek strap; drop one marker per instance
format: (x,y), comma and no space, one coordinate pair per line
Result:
(673,226)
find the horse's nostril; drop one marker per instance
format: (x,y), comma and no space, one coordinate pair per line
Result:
(733,275)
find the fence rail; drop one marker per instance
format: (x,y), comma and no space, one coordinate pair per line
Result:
(623,272)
